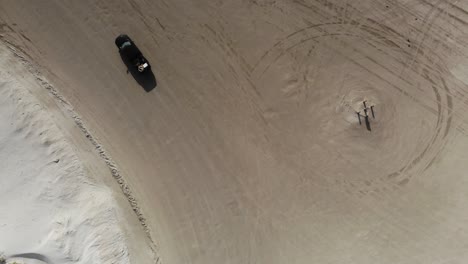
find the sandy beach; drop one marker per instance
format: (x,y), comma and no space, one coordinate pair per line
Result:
(254,147)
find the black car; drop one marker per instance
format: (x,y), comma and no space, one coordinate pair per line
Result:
(131,54)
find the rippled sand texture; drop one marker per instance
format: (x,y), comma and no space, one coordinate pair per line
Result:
(249,150)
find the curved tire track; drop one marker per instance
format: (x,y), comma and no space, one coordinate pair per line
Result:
(379,36)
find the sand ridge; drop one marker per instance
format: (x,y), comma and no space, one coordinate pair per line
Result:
(53,212)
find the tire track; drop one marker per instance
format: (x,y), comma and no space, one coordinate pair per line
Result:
(378,35)
(428,22)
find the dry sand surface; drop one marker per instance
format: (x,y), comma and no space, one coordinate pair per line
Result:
(249,150)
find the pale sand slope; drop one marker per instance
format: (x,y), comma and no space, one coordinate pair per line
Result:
(249,150)
(49,205)
(51,209)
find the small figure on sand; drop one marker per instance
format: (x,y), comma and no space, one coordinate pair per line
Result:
(366,115)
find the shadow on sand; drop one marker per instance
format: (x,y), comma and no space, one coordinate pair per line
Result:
(33,256)
(147,80)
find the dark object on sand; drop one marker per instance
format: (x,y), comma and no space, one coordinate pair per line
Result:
(366,115)
(136,63)
(131,54)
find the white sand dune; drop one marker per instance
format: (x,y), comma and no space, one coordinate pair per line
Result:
(51,210)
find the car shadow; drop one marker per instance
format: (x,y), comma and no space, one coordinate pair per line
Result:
(146,80)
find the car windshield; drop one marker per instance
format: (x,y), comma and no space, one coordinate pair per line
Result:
(125,44)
